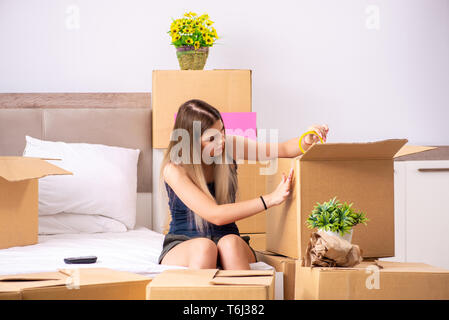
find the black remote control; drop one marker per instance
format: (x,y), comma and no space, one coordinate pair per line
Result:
(80,260)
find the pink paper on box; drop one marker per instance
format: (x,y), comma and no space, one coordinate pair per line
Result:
(240,124)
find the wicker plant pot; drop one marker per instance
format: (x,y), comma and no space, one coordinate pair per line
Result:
(191,59)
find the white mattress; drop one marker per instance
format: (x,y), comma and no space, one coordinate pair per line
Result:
(134,251)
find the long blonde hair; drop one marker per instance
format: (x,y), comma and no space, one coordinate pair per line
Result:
(225,174)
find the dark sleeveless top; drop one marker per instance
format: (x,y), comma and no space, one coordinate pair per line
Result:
(183,221)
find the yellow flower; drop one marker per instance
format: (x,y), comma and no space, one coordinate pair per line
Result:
(209,40)
(190,14)
(190,26)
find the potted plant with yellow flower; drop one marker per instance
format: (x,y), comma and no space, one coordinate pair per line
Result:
(192,35)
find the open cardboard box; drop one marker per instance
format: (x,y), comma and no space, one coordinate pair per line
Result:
(19,198)
(75,284)
(373,281)
(358,173)
(212,284)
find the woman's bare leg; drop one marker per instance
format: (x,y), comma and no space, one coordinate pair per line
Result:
(235,253)
(198,253)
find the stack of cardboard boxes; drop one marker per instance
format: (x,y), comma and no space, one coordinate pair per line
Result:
(228,91)
(358,173)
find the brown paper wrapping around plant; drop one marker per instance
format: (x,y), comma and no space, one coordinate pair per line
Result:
(325,250)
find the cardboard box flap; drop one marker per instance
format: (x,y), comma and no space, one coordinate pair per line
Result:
(243,277)
(242,281)
(24,168)
(388,266)
(86,276)
(31,277)
(184,278)
(243,273)
(17,283)
(385,149)
(410,267)
(409,149)
(96,276)
(205,277)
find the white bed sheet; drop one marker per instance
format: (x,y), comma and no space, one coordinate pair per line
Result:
(134,251)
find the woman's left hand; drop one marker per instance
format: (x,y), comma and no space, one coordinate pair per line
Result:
(310,139)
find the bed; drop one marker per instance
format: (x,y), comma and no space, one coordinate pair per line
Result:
(114,119)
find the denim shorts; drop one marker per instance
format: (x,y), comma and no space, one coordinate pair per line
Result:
(172,240)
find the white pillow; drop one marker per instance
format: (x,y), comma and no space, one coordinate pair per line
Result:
(104,180)
(62,223)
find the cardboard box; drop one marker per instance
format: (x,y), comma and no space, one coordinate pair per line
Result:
(256,241)
(19,198)
(282,264)
(226,90)
(358,173)
(251,184)
(75,284)
(366,281)
(213,284)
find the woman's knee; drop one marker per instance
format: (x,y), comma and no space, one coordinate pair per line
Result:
(204,246)
(230,242)
(234,252)
(203,254)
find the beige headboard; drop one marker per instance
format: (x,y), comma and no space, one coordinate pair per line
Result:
(115,119)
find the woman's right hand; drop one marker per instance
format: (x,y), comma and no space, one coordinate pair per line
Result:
(282,191)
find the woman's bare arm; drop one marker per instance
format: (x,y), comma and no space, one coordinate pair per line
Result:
(243,148)
(248,149)
(194,198)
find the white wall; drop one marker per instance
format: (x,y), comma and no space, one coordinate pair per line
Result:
(368,76)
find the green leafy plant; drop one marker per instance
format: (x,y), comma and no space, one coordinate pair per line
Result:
(335,216)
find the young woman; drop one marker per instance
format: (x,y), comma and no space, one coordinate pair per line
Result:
(201,196)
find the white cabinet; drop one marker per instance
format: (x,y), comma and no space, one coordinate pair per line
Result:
(427,212)
(422,212)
